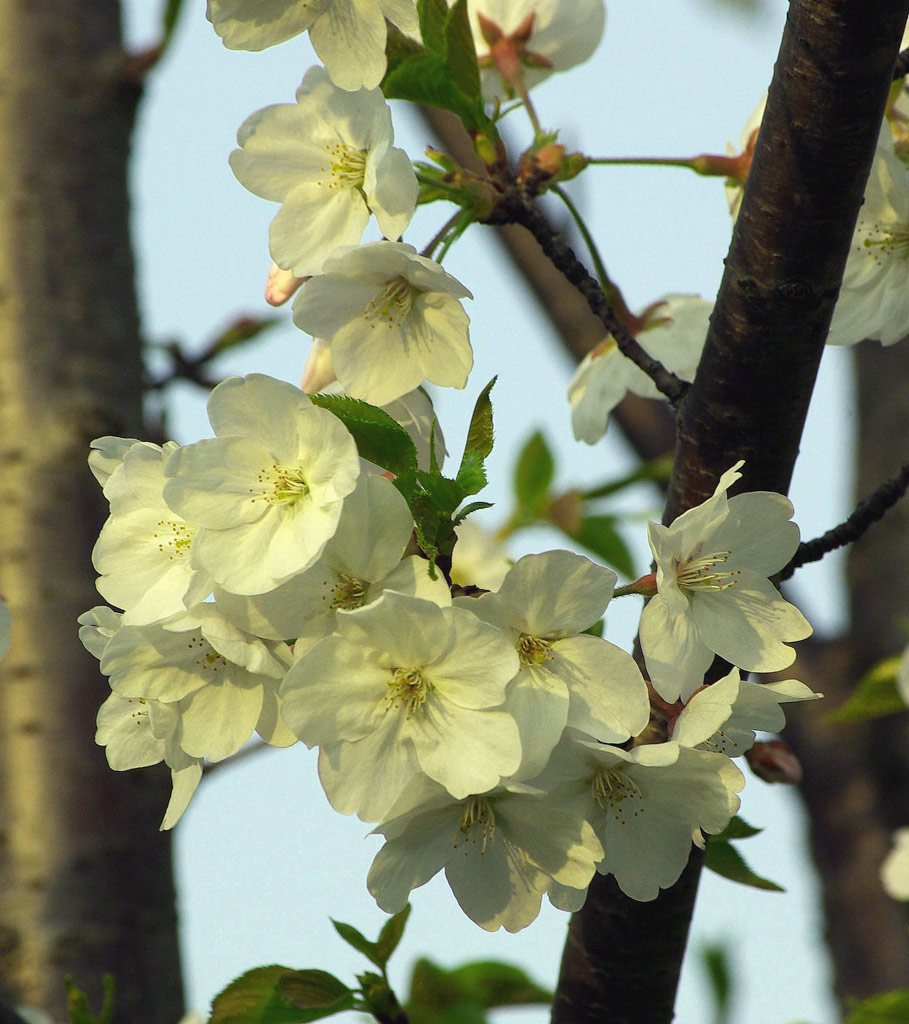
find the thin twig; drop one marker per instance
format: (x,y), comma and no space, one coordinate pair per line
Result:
(867,512)
(517,210)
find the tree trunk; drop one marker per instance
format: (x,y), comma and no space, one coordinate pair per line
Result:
(85,882)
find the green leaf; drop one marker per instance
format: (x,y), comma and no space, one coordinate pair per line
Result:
(883,1008)
(599,535)
(399,48)
(241,331)
(316,990)
(358,940)
(172,9)
(461,51)
(737,828)
(425,78)
(79,1011)
(256,997)
(433,14)
(533,476)
(723,858)
(876,695)
(715,958)
(391,934)
(379,438)
(474,506)
(597,628)
(480,435)
(492,984)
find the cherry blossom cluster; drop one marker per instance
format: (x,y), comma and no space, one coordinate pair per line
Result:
(276,579)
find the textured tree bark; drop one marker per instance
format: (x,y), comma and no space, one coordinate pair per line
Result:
(752,391)
(85,883)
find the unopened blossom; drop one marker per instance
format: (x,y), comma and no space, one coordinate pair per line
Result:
(405,687)
(363,558)
(559,36)
(137,732)
(222,682)
(725,715)
(329,160)
(895,868)
(714,596)
(566,677)
(392,319)
(348,35)
(479,559)
(267,491)
(674,334)
(645,805)
(143,550)
(501,850)
(280,285)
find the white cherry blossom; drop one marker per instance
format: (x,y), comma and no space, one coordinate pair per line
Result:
(329,160)
(714,596)
(267,491)
(405,687)
(392,318)
(645,805)
(222,683)
(143,550)
(675,335)
(136,732)
(501,850)
(348,35)
(725,715)
(565,678)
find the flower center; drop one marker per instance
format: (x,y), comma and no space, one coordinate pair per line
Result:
(207,659)
(702,574)
(533,650)
(348,592)
(616,792)
(886,241)
(347,166)
(280,485)
(407,686)
(174,538)
(392,304)
(478,822)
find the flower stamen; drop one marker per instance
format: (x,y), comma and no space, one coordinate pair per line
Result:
(476,812)
(533,650)
(699,574)
(392,304)
(407,686)
(616,792)
(280,485)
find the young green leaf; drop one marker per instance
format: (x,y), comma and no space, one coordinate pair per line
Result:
(533,476)
(723,858)
(461,52)
(390,936)
(433,15)
(737,828)
(380,439)
(599,535)
(480,434)
(883,1008)
(256,997)
(876,695)
(316,991)
(358,940)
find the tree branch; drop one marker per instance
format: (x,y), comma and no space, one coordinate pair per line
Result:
(752,389)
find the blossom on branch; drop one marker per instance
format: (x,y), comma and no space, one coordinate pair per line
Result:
(713,592)
(674,334)
(348,35)
(391,318)
(267,491)
(501,850)
(330,162)
(405,687)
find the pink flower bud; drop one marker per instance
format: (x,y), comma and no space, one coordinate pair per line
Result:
(281,284)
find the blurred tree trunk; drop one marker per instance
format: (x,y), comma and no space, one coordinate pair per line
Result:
(85,876)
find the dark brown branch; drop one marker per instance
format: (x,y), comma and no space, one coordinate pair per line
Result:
(868,512)
(901,69)
(753,386)
(562,256)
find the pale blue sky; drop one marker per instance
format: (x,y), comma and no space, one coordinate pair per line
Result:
(263,860)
